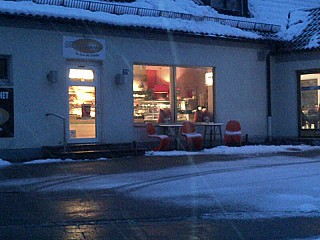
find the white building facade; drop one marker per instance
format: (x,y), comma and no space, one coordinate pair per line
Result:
(68,81)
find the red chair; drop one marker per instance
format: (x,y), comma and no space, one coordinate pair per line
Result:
(194,139)
(232,135)
(197,117)
(164,114)
(164,139)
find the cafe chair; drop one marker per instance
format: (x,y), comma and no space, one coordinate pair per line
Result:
(164,115)
(232,135)
(164,139)
(193,138)
(197,117)
(201,116)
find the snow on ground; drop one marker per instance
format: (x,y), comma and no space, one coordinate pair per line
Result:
(256,186)
(254,149)
(4,163)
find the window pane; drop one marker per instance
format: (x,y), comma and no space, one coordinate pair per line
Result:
(194,94)
(4,69)
(82,104)
(233,5)
(81,75)
(151,92)
(310,100)
(219,4)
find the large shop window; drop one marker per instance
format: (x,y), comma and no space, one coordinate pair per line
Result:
(166,93)
(310,105)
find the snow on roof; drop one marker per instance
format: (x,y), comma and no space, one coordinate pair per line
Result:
(305,26)
(205,26)
(174,15)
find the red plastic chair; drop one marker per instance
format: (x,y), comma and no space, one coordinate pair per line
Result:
(164,139)
(163,115)
(232,135)
(194,139)
(197,117)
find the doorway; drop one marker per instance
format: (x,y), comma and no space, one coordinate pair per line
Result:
(83,104)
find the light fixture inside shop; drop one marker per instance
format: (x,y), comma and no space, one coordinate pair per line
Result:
(83,74)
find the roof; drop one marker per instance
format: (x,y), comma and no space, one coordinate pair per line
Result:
(269,18)
(308,35)
(188,16)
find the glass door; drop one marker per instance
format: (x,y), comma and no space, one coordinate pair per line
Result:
(83,114)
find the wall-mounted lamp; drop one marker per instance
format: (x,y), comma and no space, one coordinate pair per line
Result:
(123,77)
(52,76)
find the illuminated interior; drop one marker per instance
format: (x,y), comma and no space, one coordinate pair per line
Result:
(310,102)
(82,105)
(152,92)
(84,75)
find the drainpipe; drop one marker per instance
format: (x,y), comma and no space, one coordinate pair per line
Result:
(269,110)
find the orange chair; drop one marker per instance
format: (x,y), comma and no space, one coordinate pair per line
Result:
(163,115)
(194,139)
(197,117)
(164,139)
(232,135)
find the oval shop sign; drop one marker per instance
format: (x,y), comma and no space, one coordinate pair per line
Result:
(84,48)
(87,45)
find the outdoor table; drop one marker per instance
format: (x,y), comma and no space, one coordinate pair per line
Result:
(173,130)
(212,129)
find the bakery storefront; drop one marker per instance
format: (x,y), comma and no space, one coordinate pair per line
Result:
(171,93)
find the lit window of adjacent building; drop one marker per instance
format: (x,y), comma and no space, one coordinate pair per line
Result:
(4,70)
(170,93)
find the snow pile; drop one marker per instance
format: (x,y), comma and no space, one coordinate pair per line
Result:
(297,23)
(56,160)
(276,11)
(255,149)
(314,41)
(4,163)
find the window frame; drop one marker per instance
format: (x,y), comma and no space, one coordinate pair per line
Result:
(173,85)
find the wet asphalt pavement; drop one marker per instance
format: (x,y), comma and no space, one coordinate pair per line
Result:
(29,213)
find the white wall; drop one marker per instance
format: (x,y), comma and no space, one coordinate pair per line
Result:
(240,85)
(285,92)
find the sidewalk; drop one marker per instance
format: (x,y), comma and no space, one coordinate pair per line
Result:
(107,213)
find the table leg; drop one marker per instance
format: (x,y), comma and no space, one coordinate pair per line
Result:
(220,133)
(211,129)
(176,135)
